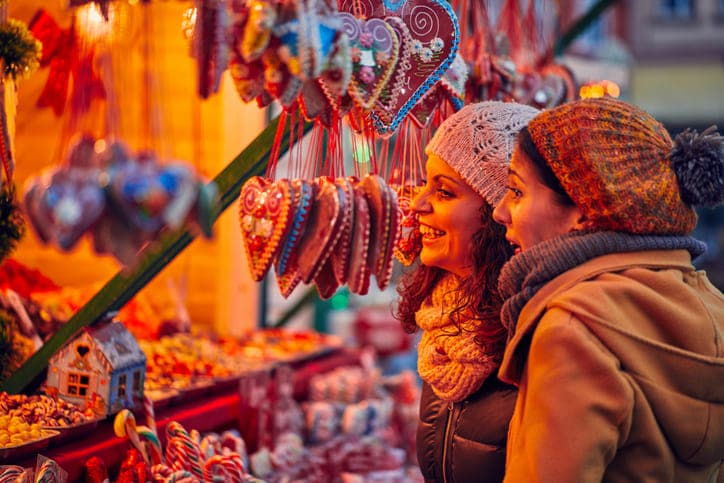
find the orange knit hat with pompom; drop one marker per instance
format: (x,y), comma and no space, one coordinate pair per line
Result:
(614,161)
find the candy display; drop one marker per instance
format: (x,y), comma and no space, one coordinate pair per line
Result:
(338,231)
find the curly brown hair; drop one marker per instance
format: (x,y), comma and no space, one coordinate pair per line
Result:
(480,291)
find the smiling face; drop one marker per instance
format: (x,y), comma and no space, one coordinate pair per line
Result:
(531,211)
(448,210)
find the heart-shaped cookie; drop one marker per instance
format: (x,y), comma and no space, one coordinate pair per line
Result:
(303,198)
(340,257)
(385,221)
(434,33)
(325,281)
(409,242)
(359,267)
(374,50)
(265,211)
(64,205)
(322,231)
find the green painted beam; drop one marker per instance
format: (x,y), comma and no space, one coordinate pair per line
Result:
(252,161)
(581,25)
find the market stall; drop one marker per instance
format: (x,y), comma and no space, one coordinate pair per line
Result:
(322,200)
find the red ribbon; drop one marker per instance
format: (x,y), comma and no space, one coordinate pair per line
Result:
(65,59)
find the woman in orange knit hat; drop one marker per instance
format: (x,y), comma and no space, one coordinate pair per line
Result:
(617,341)
(452,295)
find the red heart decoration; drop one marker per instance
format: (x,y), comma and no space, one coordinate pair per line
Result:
(265,217)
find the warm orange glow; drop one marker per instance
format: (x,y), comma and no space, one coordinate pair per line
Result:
(92,26)
(188,22)
(599,89)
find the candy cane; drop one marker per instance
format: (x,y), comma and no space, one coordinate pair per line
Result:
(153,444)
(124,425)
(150,414)
(11,473)
(210,445)
(160,472)
(191,450)
(182,476)
(48,472)
(213,469)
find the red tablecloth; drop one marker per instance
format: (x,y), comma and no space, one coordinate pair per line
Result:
(216,410)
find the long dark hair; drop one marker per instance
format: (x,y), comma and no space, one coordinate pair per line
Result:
(480,291)
(526,144)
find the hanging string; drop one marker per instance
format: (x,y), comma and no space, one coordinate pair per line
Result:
(271,166)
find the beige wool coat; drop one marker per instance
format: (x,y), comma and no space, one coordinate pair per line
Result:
(620,369)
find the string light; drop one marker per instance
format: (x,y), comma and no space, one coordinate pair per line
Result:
(599,89)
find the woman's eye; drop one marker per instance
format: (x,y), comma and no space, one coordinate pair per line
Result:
(443,193)
(515,191)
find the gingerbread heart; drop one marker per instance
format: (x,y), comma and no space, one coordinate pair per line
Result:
(325,281)
(434,33)
(303,198)
(64,205)
(265,218)
(340,257)
(322,232)
(374,50)
(385,220)
(409,242)
(359,267)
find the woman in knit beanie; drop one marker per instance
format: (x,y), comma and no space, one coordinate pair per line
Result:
(452,295)
(616,340)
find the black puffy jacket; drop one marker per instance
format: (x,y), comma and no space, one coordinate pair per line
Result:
(465,441)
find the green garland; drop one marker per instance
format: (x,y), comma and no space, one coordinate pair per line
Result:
(19,49)
(12,225)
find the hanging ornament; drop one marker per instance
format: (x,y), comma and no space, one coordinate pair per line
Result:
(324,231)
(210,44)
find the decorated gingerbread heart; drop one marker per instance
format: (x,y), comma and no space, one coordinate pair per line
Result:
(384,217)
(359,266)
(374,50)
(409,242)
(303,195)
(340,257)
(322,232)
(434,35)
(64,204)
(265,218)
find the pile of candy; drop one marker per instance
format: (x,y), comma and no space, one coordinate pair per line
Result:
(325,231)
(42,410)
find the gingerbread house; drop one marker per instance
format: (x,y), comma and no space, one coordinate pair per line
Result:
(103,367)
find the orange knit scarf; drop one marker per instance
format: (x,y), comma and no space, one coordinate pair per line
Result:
(448,358)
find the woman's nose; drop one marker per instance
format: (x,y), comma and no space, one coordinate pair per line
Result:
(419,203)
(500,212)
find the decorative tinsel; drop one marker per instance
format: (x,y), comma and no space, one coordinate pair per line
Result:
(698,160)
(19,49)
(12,226)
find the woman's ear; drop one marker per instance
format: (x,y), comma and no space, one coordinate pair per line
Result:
(580,221)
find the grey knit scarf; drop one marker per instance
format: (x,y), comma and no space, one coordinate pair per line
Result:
(528,271)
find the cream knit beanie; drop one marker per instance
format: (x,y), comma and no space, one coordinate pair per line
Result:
(477,142)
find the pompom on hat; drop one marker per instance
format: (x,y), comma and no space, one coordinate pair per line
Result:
(477,143)
(620,167)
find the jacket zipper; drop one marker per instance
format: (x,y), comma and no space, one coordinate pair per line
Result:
(448,434)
